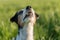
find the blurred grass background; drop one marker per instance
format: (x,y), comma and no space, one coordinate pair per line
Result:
(47,26)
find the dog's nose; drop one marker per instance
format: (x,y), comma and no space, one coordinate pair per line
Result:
(28,7)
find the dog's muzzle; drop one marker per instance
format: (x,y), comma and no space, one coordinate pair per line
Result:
(29,12)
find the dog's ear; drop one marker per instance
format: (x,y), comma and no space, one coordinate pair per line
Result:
(37,16)
(14,18)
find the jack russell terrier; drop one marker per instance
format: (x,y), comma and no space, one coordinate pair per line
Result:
(25,19)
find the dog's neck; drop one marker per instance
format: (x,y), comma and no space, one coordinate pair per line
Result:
(26,33)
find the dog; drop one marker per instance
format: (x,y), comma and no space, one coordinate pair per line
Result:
(25,19)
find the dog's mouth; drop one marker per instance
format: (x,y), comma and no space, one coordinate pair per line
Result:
(29,14)
(28,11)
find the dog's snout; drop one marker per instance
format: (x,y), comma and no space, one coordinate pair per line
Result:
(28,7)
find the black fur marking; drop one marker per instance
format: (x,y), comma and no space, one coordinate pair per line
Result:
(26,16)
(19,27)
(36,15)
(15,19)
(20,12)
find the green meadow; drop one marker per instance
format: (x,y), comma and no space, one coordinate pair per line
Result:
(47,27)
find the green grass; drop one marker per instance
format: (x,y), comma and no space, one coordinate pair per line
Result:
(47,26)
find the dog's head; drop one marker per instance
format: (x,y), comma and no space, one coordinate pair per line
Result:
(25,16)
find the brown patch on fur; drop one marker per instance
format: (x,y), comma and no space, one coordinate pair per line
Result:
(20,22)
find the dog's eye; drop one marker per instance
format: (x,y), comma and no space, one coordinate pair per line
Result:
(27,15)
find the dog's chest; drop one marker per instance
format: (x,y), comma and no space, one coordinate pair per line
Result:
(26,33)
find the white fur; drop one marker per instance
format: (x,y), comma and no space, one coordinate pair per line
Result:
(27,32)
